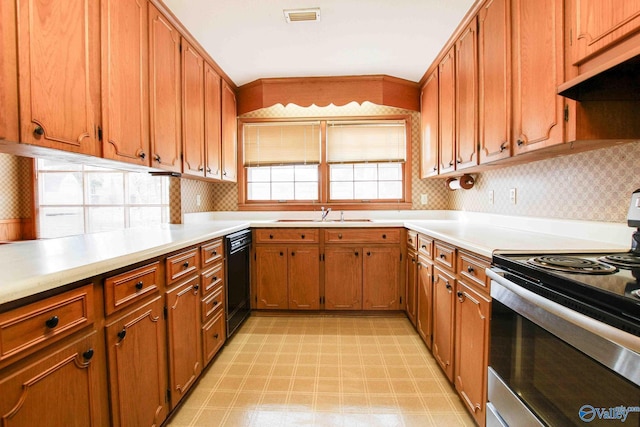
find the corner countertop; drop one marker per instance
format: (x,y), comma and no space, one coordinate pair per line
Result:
(32,267)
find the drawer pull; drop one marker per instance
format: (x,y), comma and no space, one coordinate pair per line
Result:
(186,264)
(293,253)
(215,279)
(215,336)
(302,236)
(271,236)
(38,131)
(88,354)
(139,285)
(122,334)
(442,256)
(448,286)
(195,288)
(339,235)
(384,236)
(357,253)
(215,302)
(424,246)
(281,254)
(368,253)
(52,322)
(214,253)
(470,269)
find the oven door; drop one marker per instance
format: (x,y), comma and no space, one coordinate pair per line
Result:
(550,365)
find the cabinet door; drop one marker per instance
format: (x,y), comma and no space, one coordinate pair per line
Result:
(380,278)
(8,72)
(538,70)
(472,345)
(59,389)
(212,123)
(138,366)
(343,278)
(467,97)
(602,23)
(185,346)
(59,74)
(443,318)
(411,276)
(424,315)
(429,126)
(164,92)
(271,277)
(494,81)
(447,113)
(192,111)
(304,277)
(125,81)
(229,133)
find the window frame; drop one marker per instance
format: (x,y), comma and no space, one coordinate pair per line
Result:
(323,171)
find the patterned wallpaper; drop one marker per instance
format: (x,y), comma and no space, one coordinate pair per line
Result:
(15,181)
(595,185)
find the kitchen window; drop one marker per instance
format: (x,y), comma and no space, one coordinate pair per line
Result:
(76,199)
(345,163)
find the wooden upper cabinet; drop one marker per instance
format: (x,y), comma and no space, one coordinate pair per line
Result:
(59,78)
(229,133)
(466,137)
(599,24)
(494,80)
(164,92)
(429,126)
(192,110)
(212,123)
(447,113)
(8,73)
(125,81)
(537,70)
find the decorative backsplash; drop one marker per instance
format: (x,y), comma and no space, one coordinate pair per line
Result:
(15,181)
(595,186)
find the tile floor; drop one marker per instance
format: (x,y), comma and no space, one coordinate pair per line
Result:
(323,371)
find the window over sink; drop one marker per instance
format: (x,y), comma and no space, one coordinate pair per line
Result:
(346,163)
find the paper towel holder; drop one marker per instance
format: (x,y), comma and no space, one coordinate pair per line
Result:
(464,182)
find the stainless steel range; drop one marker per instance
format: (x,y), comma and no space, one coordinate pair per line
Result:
(565,337)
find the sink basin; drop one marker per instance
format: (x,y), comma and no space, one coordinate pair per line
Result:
(297,220)
(328,220)
(350,220)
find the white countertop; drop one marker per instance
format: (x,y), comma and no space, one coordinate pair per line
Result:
(31,267)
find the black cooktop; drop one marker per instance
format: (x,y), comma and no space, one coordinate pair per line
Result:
(604,286)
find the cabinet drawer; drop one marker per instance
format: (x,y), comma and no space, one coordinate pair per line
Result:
(49,319)
(280,235)
(425,246)
(211,304)
(363,235)
(126,288)
(444,255)
(473,268)
(412,240)
(211,252)
(213,336)
(212,278)
(181,265)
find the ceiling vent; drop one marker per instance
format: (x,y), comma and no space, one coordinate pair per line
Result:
(302,15)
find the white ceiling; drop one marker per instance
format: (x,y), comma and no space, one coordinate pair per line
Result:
(250,39)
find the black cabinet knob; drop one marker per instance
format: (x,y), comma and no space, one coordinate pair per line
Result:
(201,168)
(196,287)
(186,264)
(208,170)
(215,278)
(215,303)
(503,146)
(293,253)
(384,236)
(216,336)
(520,142)
(357,253)
(451,163)
(52,322)
(224,173)
(470,269)
(139,285)
(157,158)
(442,256)
(281,254)
(271,236)
(214,253)
(339,235)
(368,253)
(142,155)
(38,131)
(435,168)
(122,334)
(88,354)
(447,285)
(460,295)
(302,236)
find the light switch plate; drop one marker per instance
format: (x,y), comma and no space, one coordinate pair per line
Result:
(424,198)
(512,196)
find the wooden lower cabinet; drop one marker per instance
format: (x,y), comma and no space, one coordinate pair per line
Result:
(424,312)
(381,278)
(271,277)
(213,336)
(136,347)
(471,349)
(59,388)
(443,320)
(343,278)
(304,277)
(185,341)
(411,291)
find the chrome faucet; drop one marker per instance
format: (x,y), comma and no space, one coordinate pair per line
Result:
(324,213)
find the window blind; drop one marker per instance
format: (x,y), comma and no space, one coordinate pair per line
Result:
(282,143)
(366,141)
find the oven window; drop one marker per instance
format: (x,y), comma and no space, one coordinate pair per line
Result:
(555,380)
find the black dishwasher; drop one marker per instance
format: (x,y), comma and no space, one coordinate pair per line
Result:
(238,303)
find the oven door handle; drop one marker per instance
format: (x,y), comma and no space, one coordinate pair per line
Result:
(614,348)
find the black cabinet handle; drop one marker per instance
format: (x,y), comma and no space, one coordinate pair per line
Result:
(215,336)
(451,163)
(142,155)
(339,235)
(224,173)
(357,253)
(281,254)
(302,236)
(38,131)
(424,246)
(448,286)
(470,269)
(88,354)
(214,253)
(215,278)
(271,236)
(195,288)
(384,236)
(157,158)
(201,168)
(503,146)
(122,334)
(215,303)
(435,168)
(208,170)
(52,322)
(460,296)
(520,142)
(413,260)
(368,253)
(139,285)
(186,264)
(293,253)
(442,256)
